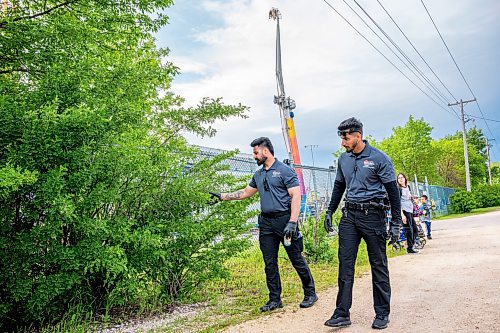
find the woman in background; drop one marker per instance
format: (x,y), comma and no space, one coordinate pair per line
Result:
(407,213)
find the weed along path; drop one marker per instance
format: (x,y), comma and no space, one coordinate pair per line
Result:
(453,285)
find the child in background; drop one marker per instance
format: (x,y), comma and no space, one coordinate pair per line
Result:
(426,210)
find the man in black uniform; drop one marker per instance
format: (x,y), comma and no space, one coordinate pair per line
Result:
(279,192)
(368,175)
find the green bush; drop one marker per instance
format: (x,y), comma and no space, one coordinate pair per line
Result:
(463,202)
(117,232)
(324,247)
(487,196)
(102,202)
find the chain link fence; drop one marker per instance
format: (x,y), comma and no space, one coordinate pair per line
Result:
(318,183)
(439,196)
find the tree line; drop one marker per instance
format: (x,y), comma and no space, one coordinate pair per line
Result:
(414,152)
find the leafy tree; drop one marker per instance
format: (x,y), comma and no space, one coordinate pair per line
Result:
(372,141)
(450,163)
(495,172)
(475,141)
(102,202)
(475,138)
(410,148)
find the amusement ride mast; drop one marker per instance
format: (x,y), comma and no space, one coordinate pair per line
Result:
(286,105)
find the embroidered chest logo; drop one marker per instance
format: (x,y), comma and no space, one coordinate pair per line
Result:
(368,164)
(276,174)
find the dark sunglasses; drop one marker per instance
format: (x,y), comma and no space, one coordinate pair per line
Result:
(343,133)
(266,185)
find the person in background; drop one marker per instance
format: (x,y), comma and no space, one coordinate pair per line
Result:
(426,210)
(409,225)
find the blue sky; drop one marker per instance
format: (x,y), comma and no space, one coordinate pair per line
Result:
(227,48)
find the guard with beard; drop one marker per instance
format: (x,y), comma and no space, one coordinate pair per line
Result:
(367,175)
(279,192)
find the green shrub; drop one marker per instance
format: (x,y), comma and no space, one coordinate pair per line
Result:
(324,247)
(487,196)
(463,202)
(102,202)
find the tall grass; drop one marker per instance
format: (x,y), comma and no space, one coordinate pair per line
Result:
(238,297)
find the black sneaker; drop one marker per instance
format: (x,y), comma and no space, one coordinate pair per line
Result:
(380,322)
(308,301)
(413,251)
(429,237)
(271,305)
(338,321)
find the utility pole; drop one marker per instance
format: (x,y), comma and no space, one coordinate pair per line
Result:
(489,160)
(315,189)
(416,190)
(464,134)
(314,178)
(427,187)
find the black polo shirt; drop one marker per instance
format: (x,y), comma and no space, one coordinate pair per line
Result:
(280,177)
(365,174)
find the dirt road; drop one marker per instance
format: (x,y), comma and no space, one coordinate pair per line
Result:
(453,285)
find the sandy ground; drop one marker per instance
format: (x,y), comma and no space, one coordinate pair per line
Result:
(453,285)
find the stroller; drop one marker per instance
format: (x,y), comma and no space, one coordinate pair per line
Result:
(400,244)
(420,240)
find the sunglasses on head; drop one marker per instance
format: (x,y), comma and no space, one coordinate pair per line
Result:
(266,185)
(343,133)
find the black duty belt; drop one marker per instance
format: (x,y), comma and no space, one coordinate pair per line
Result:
(275,214)
(365,205)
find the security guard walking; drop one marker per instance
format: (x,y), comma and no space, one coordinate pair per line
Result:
(368,175)
(279,192)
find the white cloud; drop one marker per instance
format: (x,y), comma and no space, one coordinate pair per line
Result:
(329,70)
(190,66)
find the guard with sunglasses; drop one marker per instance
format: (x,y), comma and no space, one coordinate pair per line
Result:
(367,175)
(279,192)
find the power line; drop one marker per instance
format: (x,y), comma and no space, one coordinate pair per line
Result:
(494,120)
(459,70)
(432,87)
(446,45)
(383,55)
(482,117)
(419,54)
(395,54)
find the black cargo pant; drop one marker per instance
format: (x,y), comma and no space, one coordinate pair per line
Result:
(270,237)
(369,225)
(410,229)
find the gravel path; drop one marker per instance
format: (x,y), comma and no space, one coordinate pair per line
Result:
(453,285)
(154,323)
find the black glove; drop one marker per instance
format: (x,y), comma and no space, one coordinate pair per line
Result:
(394,231)
(214,198)
(290,229)
(216,195)
(328,221)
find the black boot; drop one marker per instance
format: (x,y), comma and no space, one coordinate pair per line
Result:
(338,321)
(380,322)
(271,305)
(309,301)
